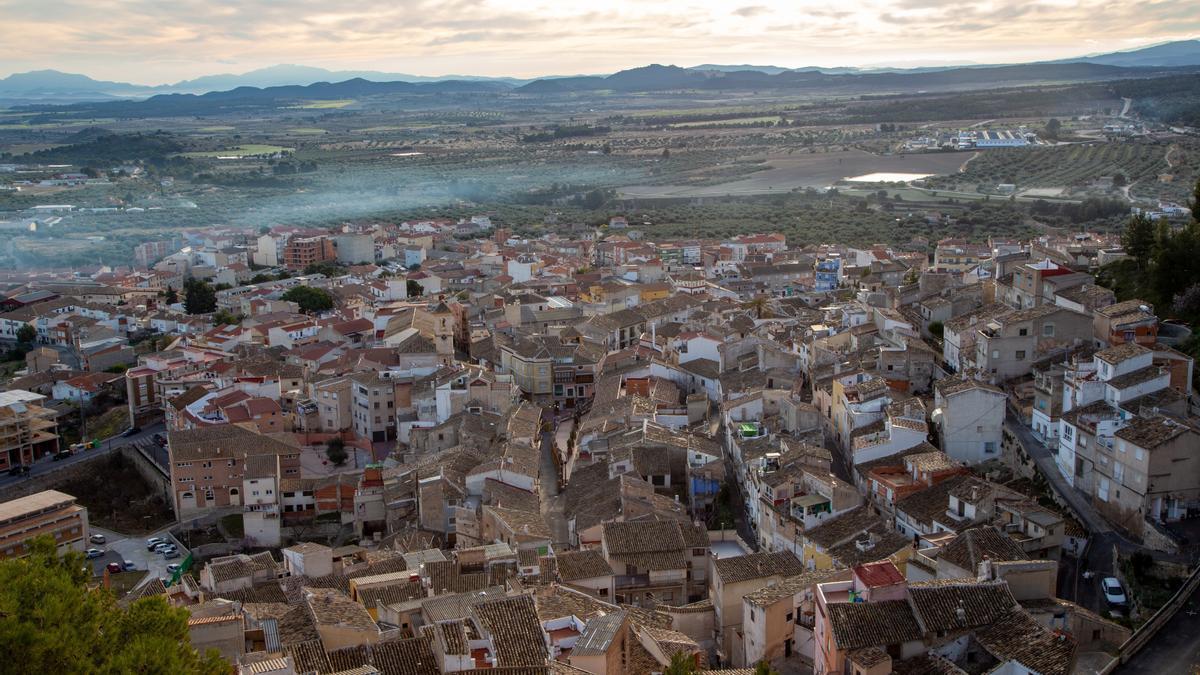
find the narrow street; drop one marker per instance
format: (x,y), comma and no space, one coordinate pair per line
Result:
(1102,540)
(553,503)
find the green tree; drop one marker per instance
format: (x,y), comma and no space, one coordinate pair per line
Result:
(414,289)
(764,668)
(1139,238)
(937,329)
(62,626)
(1053,126)
(172,295)
(1196,203)
(226,318)
(26,335)
(335,450)
(682,663)
(329,269)
(199,297)
(309,299)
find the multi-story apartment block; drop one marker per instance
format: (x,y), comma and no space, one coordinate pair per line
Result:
(208,465)
(373,406)
(1007,346)
(1150,472)
(28,430)
(50,513)
(300,253)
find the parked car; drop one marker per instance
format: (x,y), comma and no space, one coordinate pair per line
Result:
(1114,594)
(154,541)
(130,565)
(162,546)
(94,553)
(131,431)
(62,454)
(171,553)
(18,470)
(114,567)
(173,568)
(97,539)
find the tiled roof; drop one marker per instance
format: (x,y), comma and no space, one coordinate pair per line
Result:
(971,547)
(332,607)
(515,629)
(980,603)
(404,657)
(586,564)
(623,538)
(843,527)
(735,569)
(309,656)
(1120,353)
(881,573)
(871,624)
(1151,432)
(1019,637)
(223,441)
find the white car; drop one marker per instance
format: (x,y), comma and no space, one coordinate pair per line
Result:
(96,539)
(153,542)
(173,568)
(1114,594)
(94,553)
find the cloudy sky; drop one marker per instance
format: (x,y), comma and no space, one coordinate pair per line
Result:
(156,41)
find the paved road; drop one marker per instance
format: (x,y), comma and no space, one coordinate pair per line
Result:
(1046,463)
(47,464)
(1174,649)
(1072,585)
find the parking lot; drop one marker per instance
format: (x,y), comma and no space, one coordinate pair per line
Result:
(119,548)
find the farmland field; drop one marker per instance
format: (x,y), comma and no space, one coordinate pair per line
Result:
(819,169)
(240,151)
(1072,166)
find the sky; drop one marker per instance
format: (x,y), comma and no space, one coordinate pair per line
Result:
(162,41)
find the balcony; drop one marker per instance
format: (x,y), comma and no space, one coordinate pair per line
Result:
(626,581)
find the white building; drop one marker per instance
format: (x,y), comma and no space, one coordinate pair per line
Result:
(970,418)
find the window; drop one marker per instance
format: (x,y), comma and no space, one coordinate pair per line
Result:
(1020,354)
(1023,332)
(1048,330)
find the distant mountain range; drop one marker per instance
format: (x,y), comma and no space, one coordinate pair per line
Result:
(303,82)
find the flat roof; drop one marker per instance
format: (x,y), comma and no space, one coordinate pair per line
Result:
(32,504)
(12,396)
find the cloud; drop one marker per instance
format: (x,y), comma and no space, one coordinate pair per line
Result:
(750,11)
(152,41)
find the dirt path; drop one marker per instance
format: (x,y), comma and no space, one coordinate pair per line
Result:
(962,168)
(1167,157)
(1128,105)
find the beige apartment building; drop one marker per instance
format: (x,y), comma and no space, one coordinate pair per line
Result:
(50,513)
(208,465)
(27,429)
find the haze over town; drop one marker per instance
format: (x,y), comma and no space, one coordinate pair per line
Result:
(542,338)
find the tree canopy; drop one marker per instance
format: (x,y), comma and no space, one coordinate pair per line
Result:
(309,299)
(53,623)
(199,297)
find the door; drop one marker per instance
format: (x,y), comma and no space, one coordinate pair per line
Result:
(787,647)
